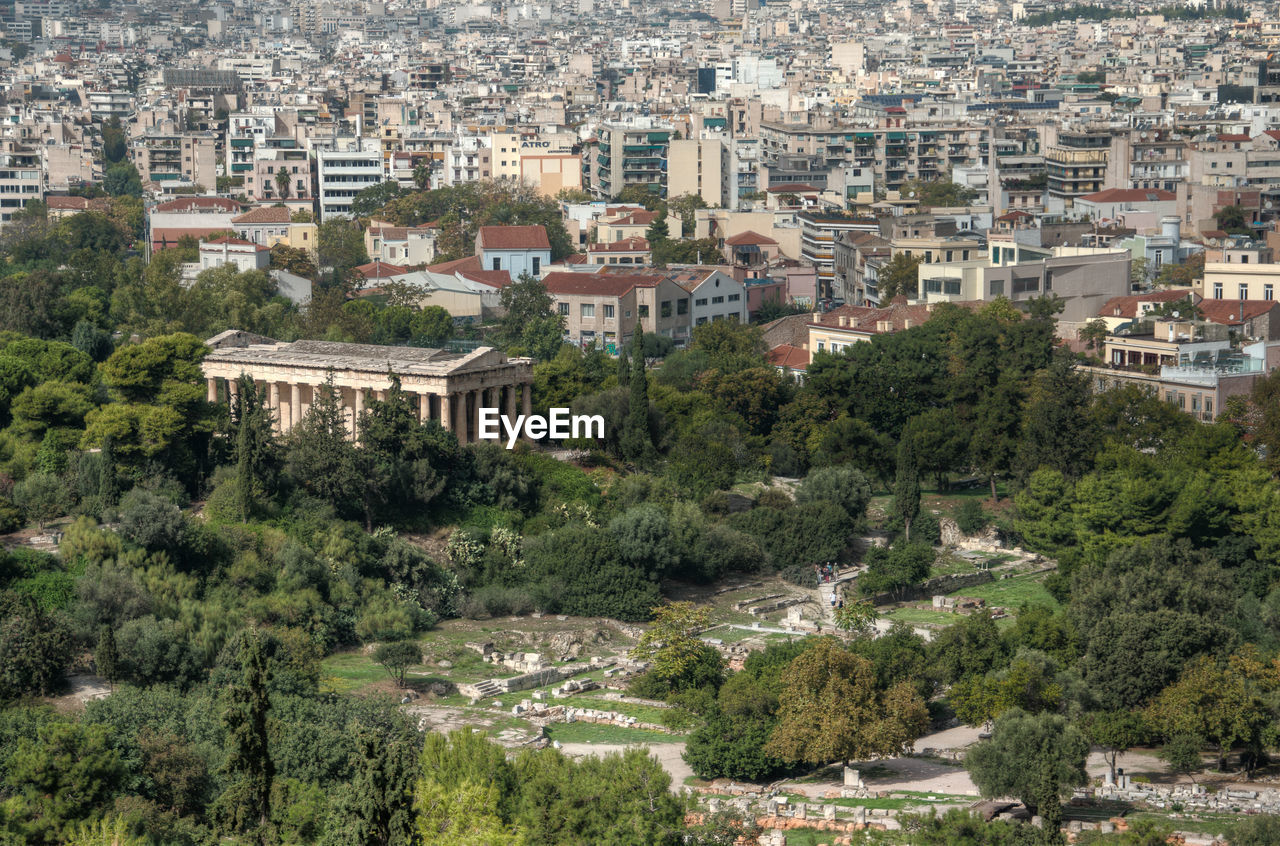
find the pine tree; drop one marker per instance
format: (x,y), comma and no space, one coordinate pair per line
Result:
(321,455)
(906,487)
(106,657)
(247,800)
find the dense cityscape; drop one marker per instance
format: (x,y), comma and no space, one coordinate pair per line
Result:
(733,423)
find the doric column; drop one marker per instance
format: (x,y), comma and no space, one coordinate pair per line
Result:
(424,407)
(446,411)
(357,413)
(295,405)
(527,398)
(233,392)
(511,401)
(461,429)
(304,407)
(273,404)
(212,385)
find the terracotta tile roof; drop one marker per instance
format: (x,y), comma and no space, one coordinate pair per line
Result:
(626,245)
(895,317)
(264,214)
(199,204)
(1016,215)
(1130,195)
(748,238)
(168,236)
(234,242)
(380,270)
(492,278)
(793,188)
(1234,312)
(640,218)
(66,203)
(792,358)
(792,330)
(1128,306)
(470,263)
(1235,136)
(571,283)
(513,238)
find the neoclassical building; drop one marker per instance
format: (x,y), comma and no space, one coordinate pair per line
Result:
(449,387)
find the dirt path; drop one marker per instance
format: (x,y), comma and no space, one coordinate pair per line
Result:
(668,755)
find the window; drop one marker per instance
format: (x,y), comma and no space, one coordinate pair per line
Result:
(1217,290)
(1208,406)
(701,301)
(700,321)
(665,310)
(627,314)
(608,312)
(717,300)
(682,305)
(1195,402)
(733,298)
(1170,396)
(564,309)
(821,346)
(644,312)
(997,286)
(1026,284)
(1268,291)
(588,310)
(497,263)
(1243,290)
(537,265)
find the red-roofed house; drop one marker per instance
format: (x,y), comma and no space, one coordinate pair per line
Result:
(1113,202)
(245,255)
(515,249)
(790,361)
(61,207)
(377,271)
(1118,310)
(193,217)
(605,309)
(628,251)
(750,249)
(410,245)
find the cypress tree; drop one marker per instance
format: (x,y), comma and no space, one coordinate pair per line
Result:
(637,443)
(106,657)
(248,798)
(906,487)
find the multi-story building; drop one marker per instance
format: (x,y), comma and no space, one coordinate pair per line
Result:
(1080,163)
(697,167)
(341,174)
(630,154)
(176,158)
(818,233)
(21,177)
(607,309)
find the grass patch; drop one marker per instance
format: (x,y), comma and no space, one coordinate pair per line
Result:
(1013,592)
(345,672)
(593,733)
(1217,826)
(909,799)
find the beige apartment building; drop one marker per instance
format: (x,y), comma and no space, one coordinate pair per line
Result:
(1231,281)
(607,309)
(697,167)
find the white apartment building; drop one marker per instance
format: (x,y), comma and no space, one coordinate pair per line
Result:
(342,175)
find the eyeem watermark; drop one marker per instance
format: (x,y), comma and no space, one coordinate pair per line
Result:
(559,425)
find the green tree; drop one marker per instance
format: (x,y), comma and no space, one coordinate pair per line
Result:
(1038,758)
(1259,830)
(637,441)
(1116,732)
(255,454)
(530,325)
(842,485)
(282,183)
(996,431)
(899,278)
(1182,753)
(105,656)
(114,141)
(35,649)
(122,180)
(340,249)
(397,657)
(249,766)
(320,454)
(380,807)
(1216,704)
(1233,220)
(906,486)
(671,643)
(65,773)
(371,200)
(831,709)
(42,497)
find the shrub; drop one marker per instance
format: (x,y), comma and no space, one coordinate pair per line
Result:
(970,517)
